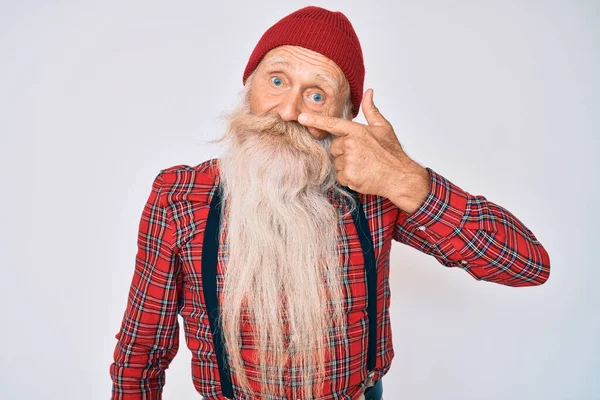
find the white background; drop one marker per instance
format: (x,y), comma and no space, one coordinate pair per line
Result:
(502,98)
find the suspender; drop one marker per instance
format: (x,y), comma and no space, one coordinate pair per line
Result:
(210,248)
(209,284)
(366,242)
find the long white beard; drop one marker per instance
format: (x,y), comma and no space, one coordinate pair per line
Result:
(283,266)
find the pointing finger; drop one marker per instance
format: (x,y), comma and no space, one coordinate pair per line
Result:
(333,125)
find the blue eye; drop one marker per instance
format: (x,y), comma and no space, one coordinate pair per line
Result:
(276,81)
(317,97)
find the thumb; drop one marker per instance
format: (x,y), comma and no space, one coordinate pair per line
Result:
(371,112)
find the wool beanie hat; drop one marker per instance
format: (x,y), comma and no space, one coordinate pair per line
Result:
(326,32)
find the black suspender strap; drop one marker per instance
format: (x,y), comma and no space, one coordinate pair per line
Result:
(209,285)
(366,242)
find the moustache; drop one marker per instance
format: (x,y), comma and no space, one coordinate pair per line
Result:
(272,128)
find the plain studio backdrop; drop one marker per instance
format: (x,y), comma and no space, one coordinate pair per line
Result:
(500,97)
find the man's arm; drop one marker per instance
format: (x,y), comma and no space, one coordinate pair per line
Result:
(468,231)
(149,335)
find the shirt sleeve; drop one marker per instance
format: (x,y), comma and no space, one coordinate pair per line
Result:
(468,231)
(148,339)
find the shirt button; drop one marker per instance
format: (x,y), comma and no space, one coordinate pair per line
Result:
(463,261)
(421,228)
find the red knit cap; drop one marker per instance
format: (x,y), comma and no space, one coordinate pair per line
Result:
(326,32)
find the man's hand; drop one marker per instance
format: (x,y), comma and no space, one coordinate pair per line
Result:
(369,158)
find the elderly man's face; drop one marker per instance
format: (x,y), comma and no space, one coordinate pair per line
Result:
(291,79)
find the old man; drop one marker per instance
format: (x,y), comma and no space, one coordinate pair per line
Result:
(276,255)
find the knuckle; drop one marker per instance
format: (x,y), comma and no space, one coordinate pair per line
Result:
(349,145)
(330,124)
(337,164)
(336,145)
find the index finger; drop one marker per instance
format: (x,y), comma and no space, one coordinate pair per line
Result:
(333,125)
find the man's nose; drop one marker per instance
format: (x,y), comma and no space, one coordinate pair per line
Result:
(290,106)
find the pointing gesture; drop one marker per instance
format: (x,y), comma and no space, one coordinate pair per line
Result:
(369,158)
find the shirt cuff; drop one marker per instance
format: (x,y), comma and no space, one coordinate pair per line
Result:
(442,211)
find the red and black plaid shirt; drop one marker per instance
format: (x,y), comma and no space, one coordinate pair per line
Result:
(457,228)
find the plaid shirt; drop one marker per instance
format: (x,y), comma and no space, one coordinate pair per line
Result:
(457,228)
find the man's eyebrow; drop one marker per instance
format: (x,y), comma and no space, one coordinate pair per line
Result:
(278,60)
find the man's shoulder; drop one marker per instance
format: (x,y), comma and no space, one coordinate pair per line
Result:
(206,169)
(183,182)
